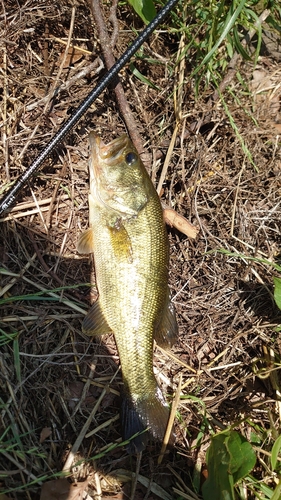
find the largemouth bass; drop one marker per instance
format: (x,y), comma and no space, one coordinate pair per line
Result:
(128,238)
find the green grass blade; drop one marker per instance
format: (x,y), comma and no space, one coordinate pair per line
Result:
(229,23)
(17,359)
(142,78)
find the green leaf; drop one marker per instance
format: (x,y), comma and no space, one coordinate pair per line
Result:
(277,492)
(255,438)
(144,8)
(275,452)
(219,484)
(242,456)
(277,291)
(229,458)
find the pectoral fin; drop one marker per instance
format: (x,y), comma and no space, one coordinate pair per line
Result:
(94,322)
(121,242)
(166,332)
(86,241)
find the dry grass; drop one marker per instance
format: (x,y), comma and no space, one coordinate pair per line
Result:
(59,390)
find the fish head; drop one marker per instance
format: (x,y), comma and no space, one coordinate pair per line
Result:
(118,179)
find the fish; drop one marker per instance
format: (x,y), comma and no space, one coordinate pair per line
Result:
(128,239)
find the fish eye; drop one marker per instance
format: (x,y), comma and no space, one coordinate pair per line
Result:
(131,158)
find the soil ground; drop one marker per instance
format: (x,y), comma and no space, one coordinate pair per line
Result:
(56,383)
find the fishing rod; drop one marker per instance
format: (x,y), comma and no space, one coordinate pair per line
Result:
(12,193)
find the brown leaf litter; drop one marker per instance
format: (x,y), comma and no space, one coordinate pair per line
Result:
(62,489)
(59,392)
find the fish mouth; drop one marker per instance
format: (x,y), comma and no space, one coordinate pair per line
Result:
(110,152)
(102,155)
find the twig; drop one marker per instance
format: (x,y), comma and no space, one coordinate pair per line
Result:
(77,48)
(66,302)
(98,495)
(178,360)
(182,483)
(4,116)
(96,65)
(34,317)
(9,285)
(105,44)
(54,196)
(135,476)
(54,86)
(170,425)
(46,52)
(110,421)
(21,467)
(51,93)
(178,99)
(53,89)
(167,159)
(30,212)
(154,487)
(84,429)
(46,267)
(46,201)
(235,200)
(113,19)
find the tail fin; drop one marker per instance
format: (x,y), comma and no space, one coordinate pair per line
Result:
(146,415)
